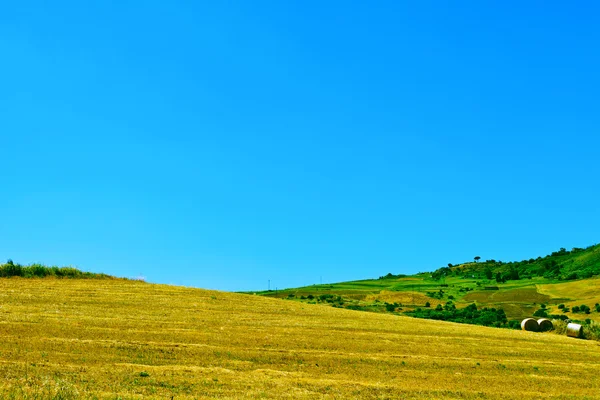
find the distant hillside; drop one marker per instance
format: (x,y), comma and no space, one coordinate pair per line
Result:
(578,263)
(560,286)
(10,269)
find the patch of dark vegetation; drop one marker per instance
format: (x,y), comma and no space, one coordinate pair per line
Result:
(436,295)
(583,309)
(10,269)
(468,315)
(392,276)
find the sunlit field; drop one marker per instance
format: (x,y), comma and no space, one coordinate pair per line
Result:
(130,340)
(575,293)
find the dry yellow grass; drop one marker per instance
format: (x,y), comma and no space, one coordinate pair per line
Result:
(586,291)
(95,339)
(575,293)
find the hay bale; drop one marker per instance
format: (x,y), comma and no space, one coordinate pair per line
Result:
(530,324)
(545,324)
(574,330)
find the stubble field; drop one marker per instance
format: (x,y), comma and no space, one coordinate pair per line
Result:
(128,340)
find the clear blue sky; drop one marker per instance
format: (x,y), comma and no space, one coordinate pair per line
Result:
(222,144)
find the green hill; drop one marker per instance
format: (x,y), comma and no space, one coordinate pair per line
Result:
(563,286)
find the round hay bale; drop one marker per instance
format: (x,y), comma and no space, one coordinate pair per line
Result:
(530,324)
(574,330)
(545,324)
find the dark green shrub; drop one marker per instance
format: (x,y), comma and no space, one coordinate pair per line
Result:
(10,269)
(584,309)
(40,271)
(514,324)
(541,313)
(561,317)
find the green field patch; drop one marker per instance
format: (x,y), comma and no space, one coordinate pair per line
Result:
(529,295)
(523,295)
(479,297)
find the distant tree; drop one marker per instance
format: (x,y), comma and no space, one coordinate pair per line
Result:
(450,265)
(477,258)
(584,309)
(488,273)
(513,274)
(428,304)
(500,278)
(541,313)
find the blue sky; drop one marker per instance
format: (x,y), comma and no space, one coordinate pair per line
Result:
(224,144)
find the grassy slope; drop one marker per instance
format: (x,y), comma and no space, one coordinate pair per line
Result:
(81,338)
(519,298)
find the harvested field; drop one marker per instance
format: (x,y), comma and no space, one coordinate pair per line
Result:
(119,339)
(521,295)
(587,290)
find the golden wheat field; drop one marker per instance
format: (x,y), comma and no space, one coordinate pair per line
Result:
(575,293)
(119,339)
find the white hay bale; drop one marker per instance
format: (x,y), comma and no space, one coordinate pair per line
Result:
(530,324)
(545,324)
(574,330)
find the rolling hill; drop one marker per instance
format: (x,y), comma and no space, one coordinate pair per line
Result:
(119,339)
(562,285)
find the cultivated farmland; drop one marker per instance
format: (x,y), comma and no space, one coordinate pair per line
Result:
(119,339)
